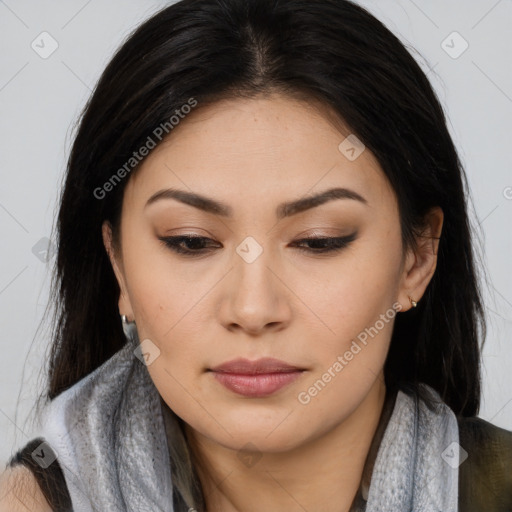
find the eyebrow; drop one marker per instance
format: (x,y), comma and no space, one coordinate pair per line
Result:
(283,210)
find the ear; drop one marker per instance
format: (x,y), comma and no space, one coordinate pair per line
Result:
(125,307)
(421,261)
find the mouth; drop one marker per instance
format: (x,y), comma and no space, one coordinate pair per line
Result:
(259,378)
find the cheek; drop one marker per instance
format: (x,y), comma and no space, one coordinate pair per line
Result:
(160,291)
(359,310)
(172,313)
(349,294)
(357,318)
(355,307)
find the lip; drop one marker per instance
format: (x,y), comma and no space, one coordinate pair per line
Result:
(246,367)
(259,378)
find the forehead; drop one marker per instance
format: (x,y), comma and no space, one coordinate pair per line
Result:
(259,151)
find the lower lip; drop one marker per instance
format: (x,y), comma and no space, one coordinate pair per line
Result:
(259,385)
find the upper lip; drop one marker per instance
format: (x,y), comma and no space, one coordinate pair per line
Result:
(247,367)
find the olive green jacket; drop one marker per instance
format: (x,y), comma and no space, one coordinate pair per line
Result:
(485,477)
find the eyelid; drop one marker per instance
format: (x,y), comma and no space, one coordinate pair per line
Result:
(335,244)
(339,243)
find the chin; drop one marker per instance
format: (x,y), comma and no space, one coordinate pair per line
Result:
(268,432)
(259,440)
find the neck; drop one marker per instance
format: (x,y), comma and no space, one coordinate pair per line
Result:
(323,474)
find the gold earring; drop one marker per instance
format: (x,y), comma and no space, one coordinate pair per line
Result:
(413,302)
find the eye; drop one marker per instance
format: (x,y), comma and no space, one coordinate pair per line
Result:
(195,244)
(198,245)
(323,245)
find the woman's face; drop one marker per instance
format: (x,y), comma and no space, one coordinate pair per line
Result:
(251,287)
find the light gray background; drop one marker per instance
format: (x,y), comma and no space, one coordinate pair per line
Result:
(40,100)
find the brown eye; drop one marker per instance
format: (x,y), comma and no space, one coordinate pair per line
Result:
(194,245)
(325,244)
(198,245)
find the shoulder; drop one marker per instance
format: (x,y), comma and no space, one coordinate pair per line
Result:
(27,485)
(19,491)
(486,441)
(485,481)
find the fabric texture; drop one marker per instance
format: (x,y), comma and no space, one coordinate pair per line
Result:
(418,460)
(109,435)
(485,477)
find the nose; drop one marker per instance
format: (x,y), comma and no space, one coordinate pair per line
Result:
(255,298)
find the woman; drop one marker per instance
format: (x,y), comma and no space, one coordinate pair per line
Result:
(266,279)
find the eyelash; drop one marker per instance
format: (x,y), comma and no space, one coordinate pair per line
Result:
(334,244)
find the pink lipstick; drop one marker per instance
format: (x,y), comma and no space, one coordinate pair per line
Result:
(256,378)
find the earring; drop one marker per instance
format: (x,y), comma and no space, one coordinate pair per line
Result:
(413,302)
(130,330)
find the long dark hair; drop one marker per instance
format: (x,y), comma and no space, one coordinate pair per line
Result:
(328,50)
